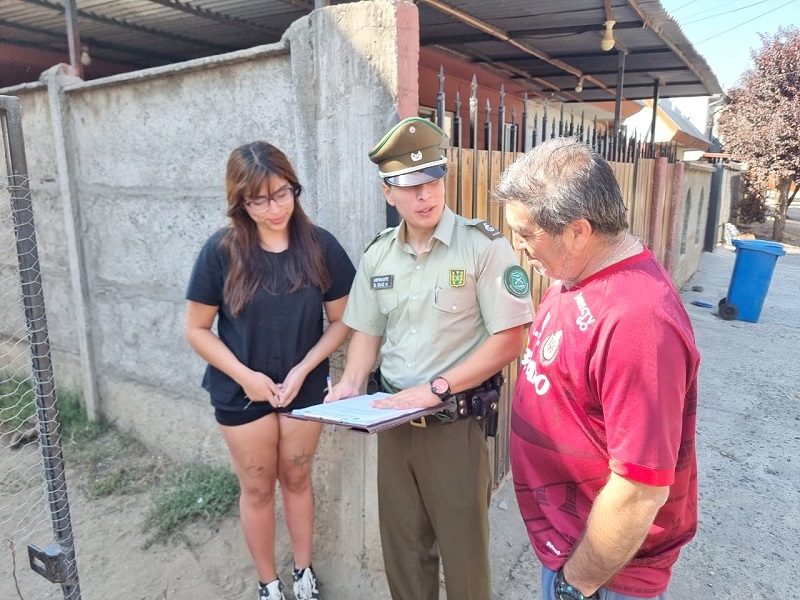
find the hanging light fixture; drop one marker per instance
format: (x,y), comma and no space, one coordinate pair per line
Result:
(86,60)
(579,85)
(608,41)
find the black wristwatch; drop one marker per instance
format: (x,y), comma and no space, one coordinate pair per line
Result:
(564,591)
(441,387)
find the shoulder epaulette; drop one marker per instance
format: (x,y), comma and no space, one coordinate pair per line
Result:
(486,229)
(377,237)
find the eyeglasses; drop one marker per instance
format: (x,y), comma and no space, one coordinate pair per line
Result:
(282,197)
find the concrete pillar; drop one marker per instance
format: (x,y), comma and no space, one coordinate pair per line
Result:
(657,206)
(355,73)
(674,217)
(64,147)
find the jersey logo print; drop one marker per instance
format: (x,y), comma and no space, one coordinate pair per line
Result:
(539,381)
(586,318)
(549,349)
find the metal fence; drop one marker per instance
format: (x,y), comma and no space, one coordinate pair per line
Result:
(33,494)
(514,134)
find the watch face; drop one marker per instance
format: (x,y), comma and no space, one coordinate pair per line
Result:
(440,386)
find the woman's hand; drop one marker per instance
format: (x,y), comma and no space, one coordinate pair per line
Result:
(292,384)
(260,388)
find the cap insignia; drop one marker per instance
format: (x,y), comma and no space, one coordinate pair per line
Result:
(416,156)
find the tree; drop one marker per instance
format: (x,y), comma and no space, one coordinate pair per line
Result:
(762,120)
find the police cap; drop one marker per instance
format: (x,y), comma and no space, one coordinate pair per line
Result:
(410,153)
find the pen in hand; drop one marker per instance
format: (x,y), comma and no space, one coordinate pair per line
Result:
(249,402)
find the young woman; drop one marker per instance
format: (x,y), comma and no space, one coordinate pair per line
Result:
(266,279)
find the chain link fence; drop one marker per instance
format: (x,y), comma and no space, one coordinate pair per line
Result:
(33,494)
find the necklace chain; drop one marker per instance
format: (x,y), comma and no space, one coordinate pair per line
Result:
(629,248)
(609,257)
(623,253)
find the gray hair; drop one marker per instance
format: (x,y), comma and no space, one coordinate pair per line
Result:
(561,181)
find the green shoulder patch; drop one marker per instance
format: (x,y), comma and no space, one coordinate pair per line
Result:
(516,281)
(377,237)
(486,229)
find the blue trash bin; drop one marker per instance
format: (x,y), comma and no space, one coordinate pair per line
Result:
(752,274)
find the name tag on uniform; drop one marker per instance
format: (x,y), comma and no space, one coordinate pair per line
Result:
(382,282)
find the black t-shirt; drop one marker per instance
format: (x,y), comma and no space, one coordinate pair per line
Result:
(273,332)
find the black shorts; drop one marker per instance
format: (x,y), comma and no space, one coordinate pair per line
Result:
(233,416)
(255,411)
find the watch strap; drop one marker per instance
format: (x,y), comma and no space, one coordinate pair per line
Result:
(564,591)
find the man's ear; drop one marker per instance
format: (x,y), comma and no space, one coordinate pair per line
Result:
(578,233)
(387,193)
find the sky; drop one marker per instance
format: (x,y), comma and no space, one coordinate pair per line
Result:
(725,31)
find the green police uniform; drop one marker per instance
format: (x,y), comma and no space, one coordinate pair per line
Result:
(432,311)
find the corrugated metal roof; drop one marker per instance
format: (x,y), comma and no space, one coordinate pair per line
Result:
(544,45)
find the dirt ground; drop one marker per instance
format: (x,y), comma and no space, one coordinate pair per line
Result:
(748,448)
(209,564)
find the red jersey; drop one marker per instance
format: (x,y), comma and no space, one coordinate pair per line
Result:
(608,383)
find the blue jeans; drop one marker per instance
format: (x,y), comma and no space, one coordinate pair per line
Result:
(547,589)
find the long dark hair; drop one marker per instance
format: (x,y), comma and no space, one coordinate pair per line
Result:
(249,167)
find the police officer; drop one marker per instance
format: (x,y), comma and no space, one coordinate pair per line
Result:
(443,303)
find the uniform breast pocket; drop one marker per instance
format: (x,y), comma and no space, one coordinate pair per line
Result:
(387,305)
(455,309)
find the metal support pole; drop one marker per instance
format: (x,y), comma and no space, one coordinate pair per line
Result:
(655,112)
(618,99)
(524,126)
(73,37)
(501,120)
(61,566)
(487,128)
(457,122)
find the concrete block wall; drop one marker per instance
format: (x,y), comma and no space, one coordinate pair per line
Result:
(127,181)
(691,226)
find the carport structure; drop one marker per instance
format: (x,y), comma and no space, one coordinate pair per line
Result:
(569,50)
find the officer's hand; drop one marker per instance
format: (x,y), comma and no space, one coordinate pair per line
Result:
(343,389)
(419,396)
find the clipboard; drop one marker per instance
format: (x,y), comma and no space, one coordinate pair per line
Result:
(356,413)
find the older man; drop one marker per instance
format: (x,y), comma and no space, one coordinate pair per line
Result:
(603,417)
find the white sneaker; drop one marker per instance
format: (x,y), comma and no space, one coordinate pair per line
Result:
(305,584)
(272,591)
